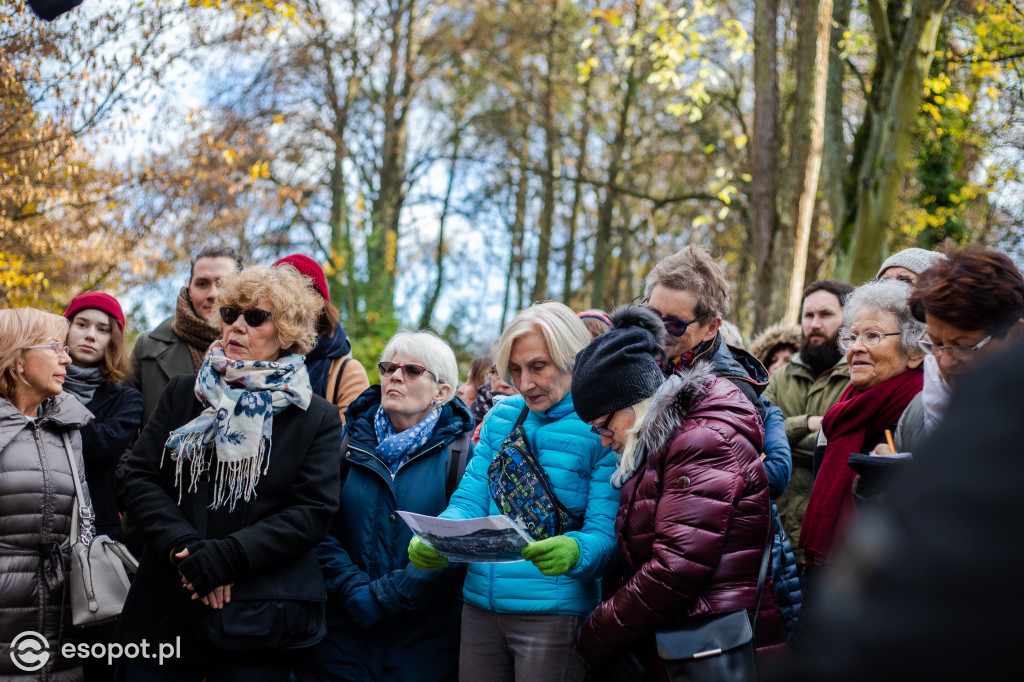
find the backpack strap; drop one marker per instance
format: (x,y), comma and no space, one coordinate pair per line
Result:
(337,384)
(459,451)
(344,456)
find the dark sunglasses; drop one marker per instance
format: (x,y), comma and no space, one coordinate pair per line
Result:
(673,325)
(254,317)
(411,372)
(603,429)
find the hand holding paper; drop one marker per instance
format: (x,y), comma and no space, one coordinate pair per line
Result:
(553,556)
(425,557)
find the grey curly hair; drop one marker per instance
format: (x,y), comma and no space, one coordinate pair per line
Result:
(890,295)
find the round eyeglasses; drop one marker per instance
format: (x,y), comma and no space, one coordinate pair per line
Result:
(56,347)
(868,339)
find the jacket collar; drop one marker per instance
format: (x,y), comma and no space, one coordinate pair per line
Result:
(63,411)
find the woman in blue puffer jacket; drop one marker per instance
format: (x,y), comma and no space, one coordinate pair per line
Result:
(519,619)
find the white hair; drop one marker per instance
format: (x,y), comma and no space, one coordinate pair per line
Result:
(428,350)
(891,295)
(563,332)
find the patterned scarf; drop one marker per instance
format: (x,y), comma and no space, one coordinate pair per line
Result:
(82,382)
(192,329)
(396,448)
(687,359)
(241,399)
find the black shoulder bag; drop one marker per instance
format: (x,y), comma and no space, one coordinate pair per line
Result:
(718,648)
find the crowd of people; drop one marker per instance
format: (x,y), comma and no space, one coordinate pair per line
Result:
(667,477)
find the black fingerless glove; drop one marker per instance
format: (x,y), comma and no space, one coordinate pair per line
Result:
(212,563)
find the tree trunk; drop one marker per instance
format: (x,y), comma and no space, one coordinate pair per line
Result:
(764,155)
(550,179)
(904,58)
(602,247)
(577,196)
(834,148)
(813,28)
(431,302)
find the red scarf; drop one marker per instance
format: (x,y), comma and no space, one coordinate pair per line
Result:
(858,417)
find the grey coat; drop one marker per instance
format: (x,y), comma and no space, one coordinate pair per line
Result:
(910,431)
(158,357)
(37,498)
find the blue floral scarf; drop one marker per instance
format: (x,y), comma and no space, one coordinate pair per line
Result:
(241,399)
(396,448)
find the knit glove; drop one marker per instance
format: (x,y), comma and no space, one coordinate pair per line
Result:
(425,557)
(212,563)
(363,608)
(553,556)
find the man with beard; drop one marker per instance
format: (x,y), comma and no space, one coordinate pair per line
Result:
(805,388)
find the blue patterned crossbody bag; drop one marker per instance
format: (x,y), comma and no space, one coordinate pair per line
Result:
(522,490)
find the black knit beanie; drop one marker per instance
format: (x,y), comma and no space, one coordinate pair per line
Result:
(619,368)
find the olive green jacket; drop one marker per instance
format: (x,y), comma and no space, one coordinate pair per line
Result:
(800,394)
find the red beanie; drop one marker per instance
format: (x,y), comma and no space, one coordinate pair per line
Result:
(310,268)
(99,301)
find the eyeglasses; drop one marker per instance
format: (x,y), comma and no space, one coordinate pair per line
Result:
(254,317)
(958,352)
(603,429)
(56,347)
(673,325)
(411,372)
(869,339)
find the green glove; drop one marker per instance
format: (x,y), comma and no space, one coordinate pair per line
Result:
(425,557)
(553,556)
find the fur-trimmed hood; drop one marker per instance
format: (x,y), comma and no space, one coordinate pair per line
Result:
(692,393)
(780,334)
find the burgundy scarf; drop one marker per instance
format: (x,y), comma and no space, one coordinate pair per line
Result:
(848,425)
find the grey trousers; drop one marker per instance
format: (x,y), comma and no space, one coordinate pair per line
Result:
(529,647)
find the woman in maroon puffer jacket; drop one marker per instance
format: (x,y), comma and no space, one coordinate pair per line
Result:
(694,512)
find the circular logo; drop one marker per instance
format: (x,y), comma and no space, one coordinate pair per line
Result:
(30,651)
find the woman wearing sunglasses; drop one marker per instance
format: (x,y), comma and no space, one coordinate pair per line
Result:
(973,305)
(234,481)
(37,491)
(387,619)
(534,454)
(693,515)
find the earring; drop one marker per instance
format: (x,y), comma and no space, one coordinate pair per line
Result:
(435,402)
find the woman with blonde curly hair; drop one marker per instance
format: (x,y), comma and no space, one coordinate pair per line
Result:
(234,481)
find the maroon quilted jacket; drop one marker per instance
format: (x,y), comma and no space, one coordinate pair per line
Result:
(692,521)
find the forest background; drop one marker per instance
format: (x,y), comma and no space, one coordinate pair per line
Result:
(451,162)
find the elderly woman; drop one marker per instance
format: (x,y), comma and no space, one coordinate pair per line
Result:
(37,490)
(973,305)
(693,519)
(879,336)
(234,481)
(387,619)
(519,618)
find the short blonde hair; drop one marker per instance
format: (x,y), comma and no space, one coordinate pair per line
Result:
(431,351)
(20,328)
(296,306)
(693,269)
(563,332)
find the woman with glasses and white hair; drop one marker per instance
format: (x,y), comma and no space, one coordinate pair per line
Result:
(233,482)
(37,490)
(387,619)
(972,302)
(880,337)
(539,463)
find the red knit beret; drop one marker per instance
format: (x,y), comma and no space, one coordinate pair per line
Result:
(99,301)
(310,268)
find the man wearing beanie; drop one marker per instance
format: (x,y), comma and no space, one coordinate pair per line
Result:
(908,264)
(179,344)
(694,508)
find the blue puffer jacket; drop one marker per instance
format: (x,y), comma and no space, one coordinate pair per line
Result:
(579,468)
(778,463)
(388,620)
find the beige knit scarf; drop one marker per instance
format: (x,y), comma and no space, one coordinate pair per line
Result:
(192,329)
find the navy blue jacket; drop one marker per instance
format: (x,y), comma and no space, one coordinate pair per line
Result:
(118,412)
(388,620)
